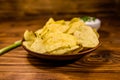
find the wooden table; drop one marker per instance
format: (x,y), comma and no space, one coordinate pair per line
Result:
(102,64)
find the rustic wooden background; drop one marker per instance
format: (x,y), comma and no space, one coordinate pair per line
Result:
(102,64)
(23,8)
(17,64)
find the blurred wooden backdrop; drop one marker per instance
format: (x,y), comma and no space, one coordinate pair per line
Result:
(22,8)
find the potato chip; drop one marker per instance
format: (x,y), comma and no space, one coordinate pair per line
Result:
(57,40)
(38,46)
(96,32)
(50,21)
(63,50)
(29,35)
(61,37)
(86,37)
(54,26)
(38,32)
(28,44)
(75,25)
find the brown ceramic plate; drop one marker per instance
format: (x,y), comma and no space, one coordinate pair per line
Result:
(61,57)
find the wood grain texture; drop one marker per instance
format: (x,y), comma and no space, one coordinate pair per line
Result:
(102,64)
(25,8)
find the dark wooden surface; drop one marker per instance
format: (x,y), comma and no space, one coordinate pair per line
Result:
(21,8)
(102,64)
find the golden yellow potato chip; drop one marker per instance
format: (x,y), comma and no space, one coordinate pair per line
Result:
(54,26)
(86,37)
(96,32)
(61,37)
(29,35)
(75,25)
(38,46)
(57,40)
(50,21)
(38,32)
(28,44)
(63,50)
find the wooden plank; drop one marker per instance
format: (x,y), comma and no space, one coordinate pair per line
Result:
(60,76)
(102,64)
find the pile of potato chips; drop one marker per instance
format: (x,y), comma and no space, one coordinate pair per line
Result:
(61,37)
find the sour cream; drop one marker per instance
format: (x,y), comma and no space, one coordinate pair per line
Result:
(94,24)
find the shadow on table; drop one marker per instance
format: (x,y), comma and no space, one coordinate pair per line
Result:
(88,62)
(92,63)
(48,63)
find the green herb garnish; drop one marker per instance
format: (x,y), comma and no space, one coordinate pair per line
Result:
(88,18)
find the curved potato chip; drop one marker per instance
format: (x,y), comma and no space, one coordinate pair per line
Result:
(38,32)
(28,44)
(96,32)
(61,37)
(38,46)
(29,35)
(75,26)
(57,40)
(86,37)
(63,50)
